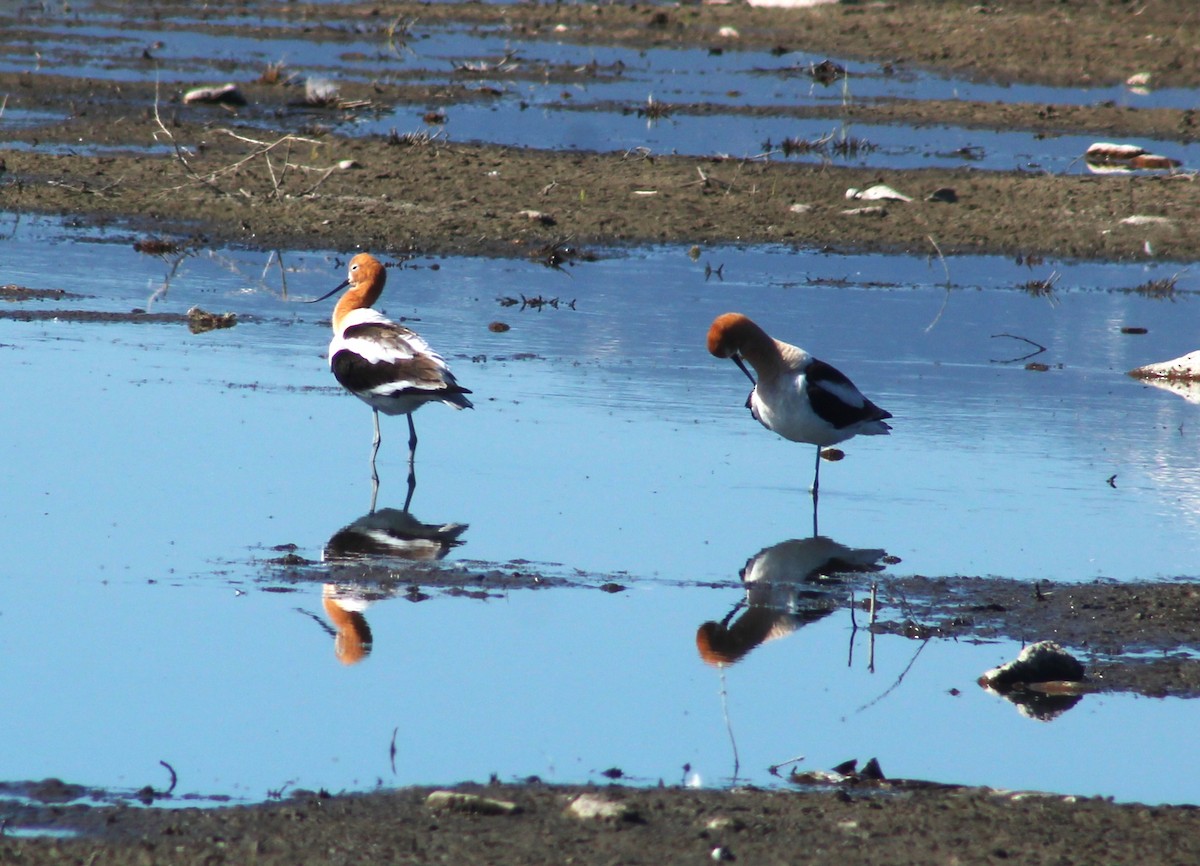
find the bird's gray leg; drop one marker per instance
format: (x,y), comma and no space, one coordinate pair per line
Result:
(412,456)
(375,448)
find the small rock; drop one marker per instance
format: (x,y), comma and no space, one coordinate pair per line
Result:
(1042,662)
(537,216)
(1146,220)
(472,803)
(226,94)
(877,192)
(723,822)
(595,807)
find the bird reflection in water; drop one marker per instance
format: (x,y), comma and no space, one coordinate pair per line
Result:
(378,536)
(788,585)
(394,533)
(352,637)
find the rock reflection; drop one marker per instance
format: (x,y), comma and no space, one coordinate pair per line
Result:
(788,585)
(1043,682)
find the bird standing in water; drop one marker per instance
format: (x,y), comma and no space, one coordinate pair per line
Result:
(797,396)
(384,364)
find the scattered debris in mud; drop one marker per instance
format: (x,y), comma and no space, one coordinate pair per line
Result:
(200,320)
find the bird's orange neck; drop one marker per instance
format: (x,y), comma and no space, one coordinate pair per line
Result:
(359,296)
(366,278)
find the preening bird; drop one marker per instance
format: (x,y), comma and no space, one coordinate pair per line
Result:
(796,395)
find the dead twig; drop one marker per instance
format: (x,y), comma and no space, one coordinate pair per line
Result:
(180,154)
(85,189)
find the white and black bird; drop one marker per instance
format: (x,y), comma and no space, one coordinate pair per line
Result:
(384,364)
(796,395)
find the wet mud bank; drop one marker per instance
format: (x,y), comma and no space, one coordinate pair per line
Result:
(267,175)
(435,198)
(274,171)
(871,822)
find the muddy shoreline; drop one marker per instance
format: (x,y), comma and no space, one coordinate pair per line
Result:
(126,153)
(273,173)
(884,823)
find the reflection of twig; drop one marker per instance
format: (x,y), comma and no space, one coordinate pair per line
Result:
(946,299)
(775,768)
(16,225)
(1040,348)
(899,679)
(161,291)
(398,34)
(853,631)
(258,281)
(276,256)
(174,778)
(871,628)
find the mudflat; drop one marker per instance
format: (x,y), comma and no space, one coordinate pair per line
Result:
(254,175)
(264,174)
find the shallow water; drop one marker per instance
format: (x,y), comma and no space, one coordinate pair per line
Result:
(149,474)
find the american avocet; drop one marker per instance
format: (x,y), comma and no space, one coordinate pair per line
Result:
(387,366)
(796,395)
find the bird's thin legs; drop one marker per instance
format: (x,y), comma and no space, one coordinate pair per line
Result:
(412,456)
(412,453)
(375,442)
(815,488)
(375,448)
